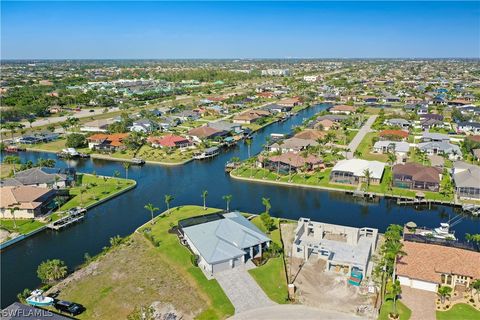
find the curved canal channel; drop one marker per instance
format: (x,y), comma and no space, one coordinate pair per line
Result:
(122,215)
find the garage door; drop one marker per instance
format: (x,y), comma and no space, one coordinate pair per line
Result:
(423,285)
(221,266)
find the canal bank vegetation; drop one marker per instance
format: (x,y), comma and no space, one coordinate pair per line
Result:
(89,190)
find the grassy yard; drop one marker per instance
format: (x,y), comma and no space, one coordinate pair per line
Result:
(459,311)
(95,188)
(131,275)
(23,225)
(365,149)
(271,276)
(387,307)
(314,179)
(162,155)
(6,169)
(216,304)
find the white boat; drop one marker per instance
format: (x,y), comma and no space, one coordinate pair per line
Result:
(71,152)
(207,153)
(442,232)
(37,299)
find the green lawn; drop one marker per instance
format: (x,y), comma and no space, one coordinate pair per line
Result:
(459,311)
(178,256)
(271,276)
(162,155)
(365,149)
(319,178)
(95,189)
(387,307)
(23,225)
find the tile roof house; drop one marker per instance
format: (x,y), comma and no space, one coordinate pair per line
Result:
(250,116)
(416,176)
(293,145)
(467,180)
(169,141)
(310,134)
(342,109)
(290,162)
(428,266)
(290,102)
(393,135)
(400,148)
(30,202)
(106,142)
(42,177)
(205,132)
(353,171)
(222,241)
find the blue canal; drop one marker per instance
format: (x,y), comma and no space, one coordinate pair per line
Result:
(122,215)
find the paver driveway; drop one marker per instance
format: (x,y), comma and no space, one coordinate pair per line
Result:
(421,302)
(242,290)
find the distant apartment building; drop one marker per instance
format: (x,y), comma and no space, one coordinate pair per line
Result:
(276,72)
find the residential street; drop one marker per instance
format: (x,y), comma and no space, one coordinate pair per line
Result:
(366,128)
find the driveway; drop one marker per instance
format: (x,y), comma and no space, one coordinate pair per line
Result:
(288,312)
(242,290)
(366,128)
(421,302)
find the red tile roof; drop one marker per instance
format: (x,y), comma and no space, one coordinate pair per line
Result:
(168,140)
(399,133)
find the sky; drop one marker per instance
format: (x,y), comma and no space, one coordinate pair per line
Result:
(177,30)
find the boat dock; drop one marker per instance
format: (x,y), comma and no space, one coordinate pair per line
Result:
(73,216)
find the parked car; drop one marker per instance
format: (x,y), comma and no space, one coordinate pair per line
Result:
(68,307)
(91,110)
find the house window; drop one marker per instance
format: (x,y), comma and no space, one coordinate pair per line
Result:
(443,277)
(449,279)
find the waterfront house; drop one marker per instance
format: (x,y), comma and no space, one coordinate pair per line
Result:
(42,177)
(428,266)
(41,137)
(293,144)
(205,132)
(169,141)
(416,176)
(30,202)
(290,102)
(400,148)
(222,241)
(226,126)
(353,171)
(107,142)
(342,109)
(251,116)
(345,249)
(396,135)
(310,134)
(97,125)
(277,108)
(325,124)
(398,122)
(466,178)
(290,162)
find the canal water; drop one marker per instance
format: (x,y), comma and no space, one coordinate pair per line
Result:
(122,215)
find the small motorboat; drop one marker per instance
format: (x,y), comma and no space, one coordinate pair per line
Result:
(138,161)
(37,299)
(207,153)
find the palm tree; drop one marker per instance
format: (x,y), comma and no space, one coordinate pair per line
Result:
(116,175)
(126,165)
(392,158)
(266,203)
(227,199)
(168,198)
(204,196)
(152,209)
(476,285)
(368,175)
(249,143)
(444,292)
(12,212)
(395,290)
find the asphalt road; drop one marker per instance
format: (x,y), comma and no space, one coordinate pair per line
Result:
(366,128)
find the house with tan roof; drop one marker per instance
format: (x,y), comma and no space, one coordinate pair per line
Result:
(416,176)
(342,109)
(428,266)
(28,202)
(106,142)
